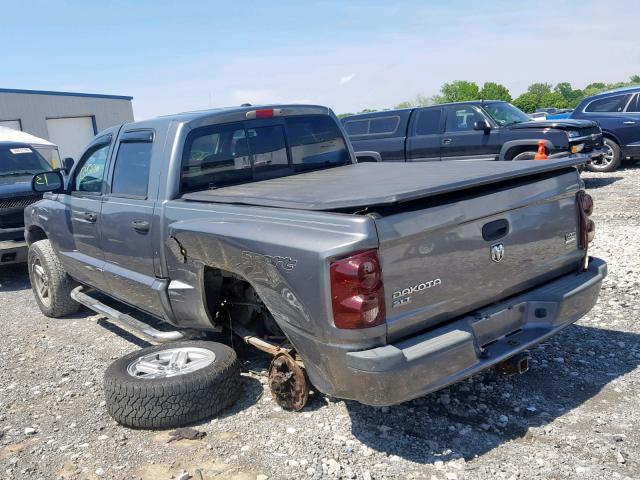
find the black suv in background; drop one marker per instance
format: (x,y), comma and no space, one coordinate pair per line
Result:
(18,163)
(478,130)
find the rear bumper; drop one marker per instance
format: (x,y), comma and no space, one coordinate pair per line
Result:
(13,251)
(430,361)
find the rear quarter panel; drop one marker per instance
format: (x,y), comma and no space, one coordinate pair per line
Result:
(391,149)
(283,254)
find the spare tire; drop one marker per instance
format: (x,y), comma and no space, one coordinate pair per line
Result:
(172,385)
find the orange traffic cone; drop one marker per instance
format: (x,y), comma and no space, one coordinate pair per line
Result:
(541,155)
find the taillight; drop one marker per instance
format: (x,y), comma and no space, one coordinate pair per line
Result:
(586,203)
(357,292)
(585,209)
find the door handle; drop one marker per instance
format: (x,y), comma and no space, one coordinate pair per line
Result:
(446,141)
(629,122)
(141,225)
(90,216)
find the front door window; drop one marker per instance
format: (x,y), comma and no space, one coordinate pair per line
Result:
(90,175)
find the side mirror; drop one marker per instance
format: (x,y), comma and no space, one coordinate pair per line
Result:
(67,165)
(482,125)
(363,157)
(47,182)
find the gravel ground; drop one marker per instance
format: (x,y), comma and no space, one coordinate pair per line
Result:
(573,415)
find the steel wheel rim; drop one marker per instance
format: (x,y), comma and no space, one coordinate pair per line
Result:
(170,363)
(41,281)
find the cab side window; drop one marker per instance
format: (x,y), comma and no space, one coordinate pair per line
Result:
(461,119)
(428,121)
(132,164)
(90,174)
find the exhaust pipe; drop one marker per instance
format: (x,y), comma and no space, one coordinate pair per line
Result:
(516,365)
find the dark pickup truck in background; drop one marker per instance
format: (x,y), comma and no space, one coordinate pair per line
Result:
(18,163)
(479,130)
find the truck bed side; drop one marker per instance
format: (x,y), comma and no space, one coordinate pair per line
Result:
(281,253)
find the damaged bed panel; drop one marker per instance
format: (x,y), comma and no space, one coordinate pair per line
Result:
(250,245)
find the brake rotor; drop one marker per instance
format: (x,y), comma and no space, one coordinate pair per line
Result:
(288,382)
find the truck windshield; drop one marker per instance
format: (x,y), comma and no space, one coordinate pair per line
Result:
(505,114)
(230,154)
(17,160)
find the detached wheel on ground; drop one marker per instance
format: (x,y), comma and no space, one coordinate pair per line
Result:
(610,161)
(172,385)
(50,283)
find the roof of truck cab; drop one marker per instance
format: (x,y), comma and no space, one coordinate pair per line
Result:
(226,111)
(398,111)
(365,184)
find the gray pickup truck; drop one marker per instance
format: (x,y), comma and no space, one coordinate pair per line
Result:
(376,282)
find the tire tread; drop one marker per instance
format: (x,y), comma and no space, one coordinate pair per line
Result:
(174,401)
(60,283)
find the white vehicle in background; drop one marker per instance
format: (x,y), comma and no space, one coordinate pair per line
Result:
(44,147)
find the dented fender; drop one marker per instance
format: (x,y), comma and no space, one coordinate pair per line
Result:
(282,254)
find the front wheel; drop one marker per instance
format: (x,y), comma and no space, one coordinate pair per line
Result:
(610,161)
(50,283)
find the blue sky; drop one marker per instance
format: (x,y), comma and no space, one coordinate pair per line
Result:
(177,56)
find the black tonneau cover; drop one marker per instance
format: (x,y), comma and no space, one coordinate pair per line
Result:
(367,184)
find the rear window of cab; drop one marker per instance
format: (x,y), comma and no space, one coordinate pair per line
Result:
(372,126)
(234,153)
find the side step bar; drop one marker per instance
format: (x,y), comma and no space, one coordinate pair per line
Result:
(127,321)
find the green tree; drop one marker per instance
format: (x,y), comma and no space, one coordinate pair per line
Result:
(423,101)
(494,91)
(342,115)
(405,104)
(540,95)
(457,91)
(553,99)
(419,101)
(527,102)
(572,97)
(539,89)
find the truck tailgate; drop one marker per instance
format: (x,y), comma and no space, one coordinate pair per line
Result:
(438,263)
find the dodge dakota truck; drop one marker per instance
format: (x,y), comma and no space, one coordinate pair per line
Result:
(478,130)
(377,282)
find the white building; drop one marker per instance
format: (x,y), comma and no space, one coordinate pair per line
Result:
(70,120)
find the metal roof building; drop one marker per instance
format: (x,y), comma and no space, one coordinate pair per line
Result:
(67,119)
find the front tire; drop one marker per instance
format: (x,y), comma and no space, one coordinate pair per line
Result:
(610,161)
(172,385)
(50,283)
